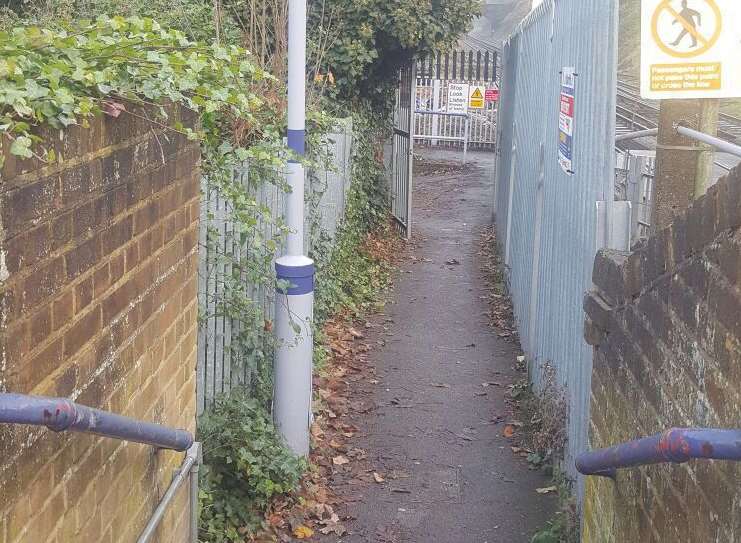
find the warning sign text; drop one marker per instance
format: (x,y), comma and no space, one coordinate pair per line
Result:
(679,77)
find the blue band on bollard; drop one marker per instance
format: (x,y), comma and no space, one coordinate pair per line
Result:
(301,279)
(297,141)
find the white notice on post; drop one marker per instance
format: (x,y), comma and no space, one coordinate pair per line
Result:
(458,98)
(690,49)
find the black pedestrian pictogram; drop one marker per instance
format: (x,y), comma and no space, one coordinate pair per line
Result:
(686,18)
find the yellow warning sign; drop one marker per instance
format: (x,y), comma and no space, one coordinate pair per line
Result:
(476,99)
(689,49)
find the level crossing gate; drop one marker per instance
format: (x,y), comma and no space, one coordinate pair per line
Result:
(435,73)
(402,165)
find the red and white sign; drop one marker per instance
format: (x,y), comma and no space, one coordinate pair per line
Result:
(492,95)
(567,105)
(566,121)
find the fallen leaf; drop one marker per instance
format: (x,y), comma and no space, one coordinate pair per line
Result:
(113,109)
(546,490)
(378,478)
(316,430)
(340,460)
(354,333)
(508,431)
(334,528)
(335,444)
(303,532)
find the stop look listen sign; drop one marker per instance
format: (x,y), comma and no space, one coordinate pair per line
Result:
(690,49)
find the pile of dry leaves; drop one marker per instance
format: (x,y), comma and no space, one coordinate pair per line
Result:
(313,509)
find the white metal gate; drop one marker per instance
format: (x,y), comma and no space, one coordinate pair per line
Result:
(435,73)
(403,151)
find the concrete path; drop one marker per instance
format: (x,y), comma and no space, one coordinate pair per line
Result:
(435,433)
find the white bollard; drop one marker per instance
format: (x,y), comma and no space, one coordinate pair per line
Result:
(294,352)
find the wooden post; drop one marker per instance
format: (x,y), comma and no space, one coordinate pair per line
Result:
(683,166)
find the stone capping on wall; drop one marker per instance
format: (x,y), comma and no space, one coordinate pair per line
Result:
(620,277)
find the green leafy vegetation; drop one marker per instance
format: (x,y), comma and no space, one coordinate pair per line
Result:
(245,466)
(564,525)
(544,414)
(363,43)
(59,78)
(347,277)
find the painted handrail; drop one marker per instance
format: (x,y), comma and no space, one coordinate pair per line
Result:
(677,445)
(61,414)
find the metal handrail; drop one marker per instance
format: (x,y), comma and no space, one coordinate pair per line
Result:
(651,132)
(677,445)
(719,144)
(189,469)
(60,414)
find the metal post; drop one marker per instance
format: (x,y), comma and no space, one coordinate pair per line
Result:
(194,501)
(683,166)
(465,138)
(435,107)
(192,458)
(512,171)
(295,272)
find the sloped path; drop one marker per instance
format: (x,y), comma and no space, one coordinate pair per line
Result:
(434,435)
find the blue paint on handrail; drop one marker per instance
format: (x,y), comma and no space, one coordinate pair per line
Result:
(677,445)
(61,414)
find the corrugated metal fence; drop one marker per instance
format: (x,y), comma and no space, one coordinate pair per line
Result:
(547,219)
(221,365)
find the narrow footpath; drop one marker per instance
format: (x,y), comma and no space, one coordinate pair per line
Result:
(433,440)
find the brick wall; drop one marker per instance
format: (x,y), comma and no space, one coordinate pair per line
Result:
(665,321)
(98,288)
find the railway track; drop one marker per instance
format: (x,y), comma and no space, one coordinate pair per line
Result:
(633,113)
(628,96)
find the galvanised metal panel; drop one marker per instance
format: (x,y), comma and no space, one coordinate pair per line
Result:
(504,150)
(549,228)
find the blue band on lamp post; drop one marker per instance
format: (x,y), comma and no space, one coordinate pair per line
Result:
(300,279)
(297,141)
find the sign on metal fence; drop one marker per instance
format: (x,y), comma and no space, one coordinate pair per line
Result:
(492,95)
(690,49)
(458,98)
(566,121)
(476,97)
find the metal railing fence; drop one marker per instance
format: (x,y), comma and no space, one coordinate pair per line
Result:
(479,127)
(434,74)
(547,219)
(634,183)
(225,356)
